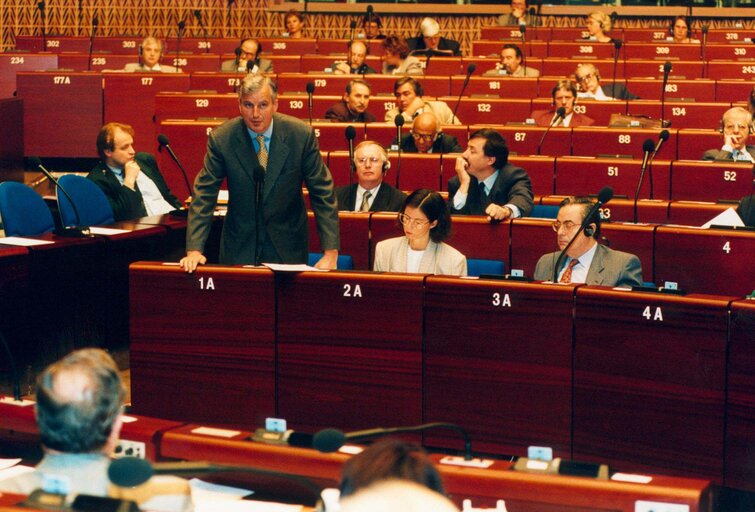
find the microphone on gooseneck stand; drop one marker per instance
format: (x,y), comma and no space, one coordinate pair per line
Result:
(42,28)
(605,195)
(617,46)
(667,66)
(560,114)
(181,28)
(16,378)
(259,181)
(523,32)
(647,147)
(351,133)
(310,101)
(370,15)
(95,24)
(662,137)
(470,69)
(533,22)
(198,16)
(352,28)
(399,121)
(165,143)
(703,42)
(77,231)
(331,439)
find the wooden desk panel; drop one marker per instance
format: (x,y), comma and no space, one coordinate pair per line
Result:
(489,110)
(349,349)
(189,141)
(663,50)
(522,491)
(651,88)
(12,63)
(189,106)
(14,302)
(599,111)
(619,142)
(78,111)
(580,175)
(681,114)
(710,181)
(507,390)
(203,344)
(660,404)
(583,50)
(740,424)
(651,211)
(523,139)
(498,86)
(354,228)
(499,32)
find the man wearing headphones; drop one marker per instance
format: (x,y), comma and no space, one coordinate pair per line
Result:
(370,193)
(486,183)
(426,137)
(248,51)
(353,106)
(586,261)
(736,127)
(564,94)
(355,63)
(410,104)
(150,52)
(588,82)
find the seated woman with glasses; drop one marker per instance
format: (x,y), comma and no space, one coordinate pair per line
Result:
(426,220)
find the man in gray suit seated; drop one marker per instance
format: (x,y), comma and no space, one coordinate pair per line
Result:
(736,128)
(150,52)
(248,59)
(586,261)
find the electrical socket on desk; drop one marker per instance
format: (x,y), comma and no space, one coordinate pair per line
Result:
(126,448)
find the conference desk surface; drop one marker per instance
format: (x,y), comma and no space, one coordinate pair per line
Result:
(521,491)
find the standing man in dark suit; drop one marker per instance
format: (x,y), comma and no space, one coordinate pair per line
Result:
(486,184)
(431,42)
(736,127)
(586,261)
(284,153)
(425,137)
(370,193)
(131,181)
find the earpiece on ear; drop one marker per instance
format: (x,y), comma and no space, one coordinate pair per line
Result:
(589,231)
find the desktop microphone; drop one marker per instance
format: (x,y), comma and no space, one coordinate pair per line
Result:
(310,101)
(617,43)
(647,147)
(605,195)
(77,231)
(560,114)
(352,28)
(470,69)
(41,7)
(351,133)
(165,143)
(370,15)
(132,471)
(15,377)
(523,32)
(667,66)
(703,43)
(662,137)
(331,439)
(259,181)
(181,28)
(399,122)
(95,24)
(198,16)
(533,21)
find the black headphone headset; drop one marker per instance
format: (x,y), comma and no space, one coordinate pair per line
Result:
(589,230)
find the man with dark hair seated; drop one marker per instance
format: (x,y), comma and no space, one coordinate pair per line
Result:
(486,183)
(353,106)
(586,261)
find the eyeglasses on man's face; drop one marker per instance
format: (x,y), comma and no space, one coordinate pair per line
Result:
(567,225)
(374,160)
(585,78)
(426,137)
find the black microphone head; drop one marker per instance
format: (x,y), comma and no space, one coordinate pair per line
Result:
(34,161)
(351,133)
(648,145)
(259,173)
(181,25)
(704,29)
(328,440)
(399,120)
(162,139)
(533,11)
(352,24)
(95,21)
(249,65)
(41,6)
(370,9)
(310,87)
(237,51)
(664,135)
(470,69)
(561,111)
(605,195)
(198,14)
(617,43)
(129,471)
(667,66)
(522,28)
(614,17)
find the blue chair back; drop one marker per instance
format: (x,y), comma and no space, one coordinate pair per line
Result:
(479,267)
(23,211)
(345,262)
(94,208)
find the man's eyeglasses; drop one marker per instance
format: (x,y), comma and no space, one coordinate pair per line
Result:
(585,78)
(423,136)
(567,225)
(405,220)
(735,126)
(373,160)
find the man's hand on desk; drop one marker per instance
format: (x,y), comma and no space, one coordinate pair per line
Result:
(193,259)
(329,260)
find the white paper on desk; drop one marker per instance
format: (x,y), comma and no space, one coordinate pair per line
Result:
(107,231)
(8,463)
(281,267)
(14,471)
(244,506)
(24,242)
(727,217)
(201,491)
